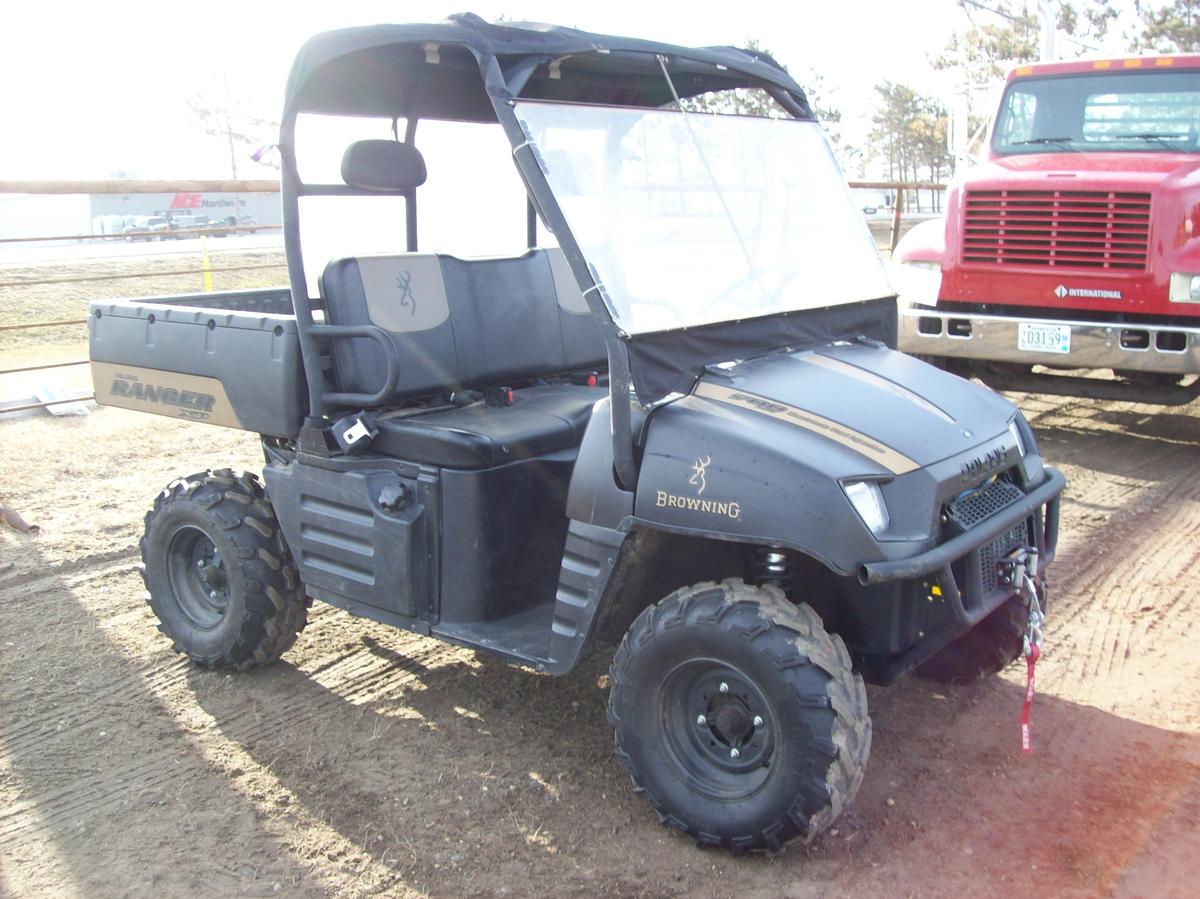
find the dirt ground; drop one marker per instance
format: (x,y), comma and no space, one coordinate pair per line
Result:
(374,762)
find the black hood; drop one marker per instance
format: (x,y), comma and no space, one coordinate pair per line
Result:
(889,409)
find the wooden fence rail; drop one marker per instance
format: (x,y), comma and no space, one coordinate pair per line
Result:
(123,186)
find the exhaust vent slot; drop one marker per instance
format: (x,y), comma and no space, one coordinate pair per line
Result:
(1135,339)
(928,324)
(1170,341)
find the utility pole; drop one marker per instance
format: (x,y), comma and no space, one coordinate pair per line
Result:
(1049,27)
(237,200)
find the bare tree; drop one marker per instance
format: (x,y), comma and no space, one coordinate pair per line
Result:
(219,114)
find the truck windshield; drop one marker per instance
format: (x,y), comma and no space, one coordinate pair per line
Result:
(692,219)
(1136,111)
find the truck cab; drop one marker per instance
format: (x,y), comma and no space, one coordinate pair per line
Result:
(1076,244)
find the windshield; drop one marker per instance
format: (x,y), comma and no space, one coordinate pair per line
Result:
(692,219)
(1128,111)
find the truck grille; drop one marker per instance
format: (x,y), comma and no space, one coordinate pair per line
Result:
(1063,229)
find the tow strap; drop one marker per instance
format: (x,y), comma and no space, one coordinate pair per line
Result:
(1022,573)
(1031,658)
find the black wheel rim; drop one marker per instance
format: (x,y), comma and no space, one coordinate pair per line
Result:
(198,577)
(719,729)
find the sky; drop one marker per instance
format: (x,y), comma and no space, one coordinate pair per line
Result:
(92,89)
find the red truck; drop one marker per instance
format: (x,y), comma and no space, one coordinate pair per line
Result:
(1069,261)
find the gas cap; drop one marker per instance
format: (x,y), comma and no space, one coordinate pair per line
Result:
(395,498)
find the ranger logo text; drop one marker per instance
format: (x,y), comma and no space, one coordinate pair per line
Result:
(191,403)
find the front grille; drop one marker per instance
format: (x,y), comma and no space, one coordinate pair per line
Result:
(970,509)
(1061,229)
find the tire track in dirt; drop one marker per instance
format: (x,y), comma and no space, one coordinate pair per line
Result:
(1120,599)
(74,799)
(27,581)
(1131,511)
(160,777)
(363,678)
(355,674)
(1117,607)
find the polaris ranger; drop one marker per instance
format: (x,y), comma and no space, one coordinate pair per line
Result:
(678,424)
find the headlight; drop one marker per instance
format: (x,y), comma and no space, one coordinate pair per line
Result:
(1016,435)
(867,499)
(1185,288)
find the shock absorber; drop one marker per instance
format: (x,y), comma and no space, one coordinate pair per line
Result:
(771,566)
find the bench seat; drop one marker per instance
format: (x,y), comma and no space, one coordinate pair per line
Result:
(460,323)
(541,420)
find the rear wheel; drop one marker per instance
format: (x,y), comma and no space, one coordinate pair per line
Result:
(220,578)
(738,717)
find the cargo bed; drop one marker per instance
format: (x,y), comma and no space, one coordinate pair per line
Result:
(230,358)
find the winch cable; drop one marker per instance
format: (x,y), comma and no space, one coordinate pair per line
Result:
(1027,574)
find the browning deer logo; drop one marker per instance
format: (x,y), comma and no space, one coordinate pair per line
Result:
(404,283)
(697,479)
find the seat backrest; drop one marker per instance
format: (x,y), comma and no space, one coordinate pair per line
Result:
(460,323)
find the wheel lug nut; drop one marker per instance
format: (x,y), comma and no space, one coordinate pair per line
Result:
(199,563)
(724,688)
(212,594)
(733,753)
(701,720)
(758,722)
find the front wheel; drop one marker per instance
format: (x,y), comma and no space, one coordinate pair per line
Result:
(220,578)
(738,716)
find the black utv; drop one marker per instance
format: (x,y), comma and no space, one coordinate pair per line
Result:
(675,421)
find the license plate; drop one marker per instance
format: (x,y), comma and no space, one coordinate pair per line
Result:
(1039,338)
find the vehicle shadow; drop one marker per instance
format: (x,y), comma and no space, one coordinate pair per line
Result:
(113,790)
(481,779)
(1127,444)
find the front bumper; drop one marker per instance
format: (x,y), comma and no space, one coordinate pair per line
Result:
(1048,495)
(964,571)
(994,338)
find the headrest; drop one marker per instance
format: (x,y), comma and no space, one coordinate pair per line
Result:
(383,165)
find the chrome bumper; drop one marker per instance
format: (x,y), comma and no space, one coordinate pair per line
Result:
(1127,347)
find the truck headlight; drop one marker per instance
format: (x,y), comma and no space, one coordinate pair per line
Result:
(867,499)
(1185,288)
(1016,435)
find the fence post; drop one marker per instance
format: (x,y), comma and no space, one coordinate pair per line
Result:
(204,264)
(896,219)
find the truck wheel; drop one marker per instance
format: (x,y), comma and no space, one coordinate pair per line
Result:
(986,649)
(738,716)
(221,579)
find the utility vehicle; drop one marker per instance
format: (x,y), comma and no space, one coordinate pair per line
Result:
(1076,245)
(674,420)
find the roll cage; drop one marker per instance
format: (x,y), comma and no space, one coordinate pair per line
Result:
(467,70)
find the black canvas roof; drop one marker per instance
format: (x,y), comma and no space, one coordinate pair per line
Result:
(434,71)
